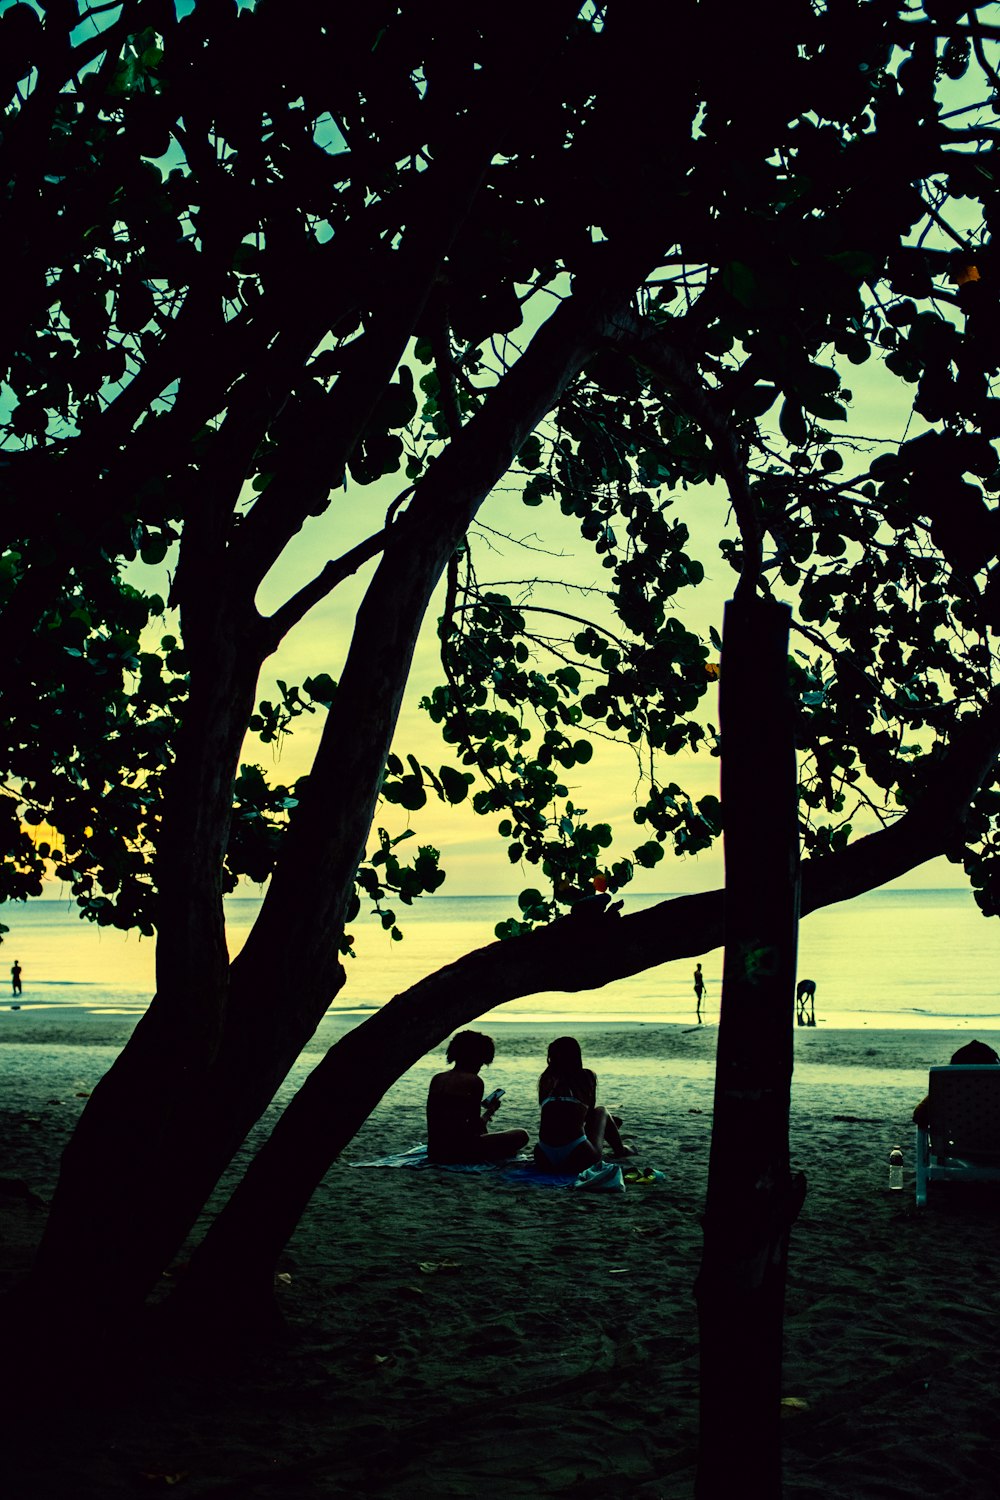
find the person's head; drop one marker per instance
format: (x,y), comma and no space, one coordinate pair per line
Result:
(564,1056)
(974,1052)
(470,1049)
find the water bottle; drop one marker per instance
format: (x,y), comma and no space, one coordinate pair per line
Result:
(895,1170)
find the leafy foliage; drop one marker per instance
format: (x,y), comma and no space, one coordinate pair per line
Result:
(278,261)
(234,204)
(888,551)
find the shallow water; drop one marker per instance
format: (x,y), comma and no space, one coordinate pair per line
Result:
(895,958)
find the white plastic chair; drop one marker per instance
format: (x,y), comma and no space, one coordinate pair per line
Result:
(960,1141)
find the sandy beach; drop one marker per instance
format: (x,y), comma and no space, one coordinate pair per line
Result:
(461,1335)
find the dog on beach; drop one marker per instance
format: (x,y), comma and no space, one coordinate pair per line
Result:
(805,995)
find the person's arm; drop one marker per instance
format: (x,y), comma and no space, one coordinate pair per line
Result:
(432,1114)
(491,1106)
(477,1115)
(590,1084)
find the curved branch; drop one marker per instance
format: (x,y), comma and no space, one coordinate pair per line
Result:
(572,955)
(976,29)
(331,823)
(562,614)
(576,953)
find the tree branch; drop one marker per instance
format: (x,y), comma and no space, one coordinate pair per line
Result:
(277,625)
(330,826)
(541,609)
(572,954)
(978,31)
(650,346)
(447,190)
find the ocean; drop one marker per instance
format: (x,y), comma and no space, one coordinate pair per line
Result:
(894,959)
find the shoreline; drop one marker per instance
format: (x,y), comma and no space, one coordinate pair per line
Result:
(13,1014)
(869,1045)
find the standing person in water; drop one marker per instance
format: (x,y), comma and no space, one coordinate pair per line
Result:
(456,1118)
(573,1127)
(699,988)
(15,978)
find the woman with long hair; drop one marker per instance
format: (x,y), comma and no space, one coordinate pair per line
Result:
(573,1128)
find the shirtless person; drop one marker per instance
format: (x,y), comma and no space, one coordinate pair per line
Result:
(699,988)
(456,1119)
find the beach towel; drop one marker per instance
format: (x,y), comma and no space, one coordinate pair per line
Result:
(520,1170)
(417,1158)
(602,1177)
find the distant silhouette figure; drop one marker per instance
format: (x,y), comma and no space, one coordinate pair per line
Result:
(805,992)
(699,987)
(15,978)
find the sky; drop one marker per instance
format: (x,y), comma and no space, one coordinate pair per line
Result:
(473,855)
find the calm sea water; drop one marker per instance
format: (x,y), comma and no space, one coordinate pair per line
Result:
(899,958)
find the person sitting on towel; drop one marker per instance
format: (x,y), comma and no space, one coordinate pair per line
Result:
(456,1119)
(573,1127)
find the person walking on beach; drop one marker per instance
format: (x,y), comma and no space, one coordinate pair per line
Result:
(699,988)
(15,978)
(457,1120)
(573,1127)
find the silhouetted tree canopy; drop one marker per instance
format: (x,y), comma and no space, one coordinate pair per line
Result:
(259,259)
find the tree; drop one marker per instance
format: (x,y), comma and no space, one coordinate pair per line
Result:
(239,238)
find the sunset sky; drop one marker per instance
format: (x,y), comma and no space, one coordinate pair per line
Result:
(473,855)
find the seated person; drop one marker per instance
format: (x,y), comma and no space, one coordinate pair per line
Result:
(970,1055)
(456,1120)
(573,1127)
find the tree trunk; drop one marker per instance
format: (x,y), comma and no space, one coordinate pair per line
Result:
(230,1281)
(752,1196)
(107,1239)
(157,1135)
